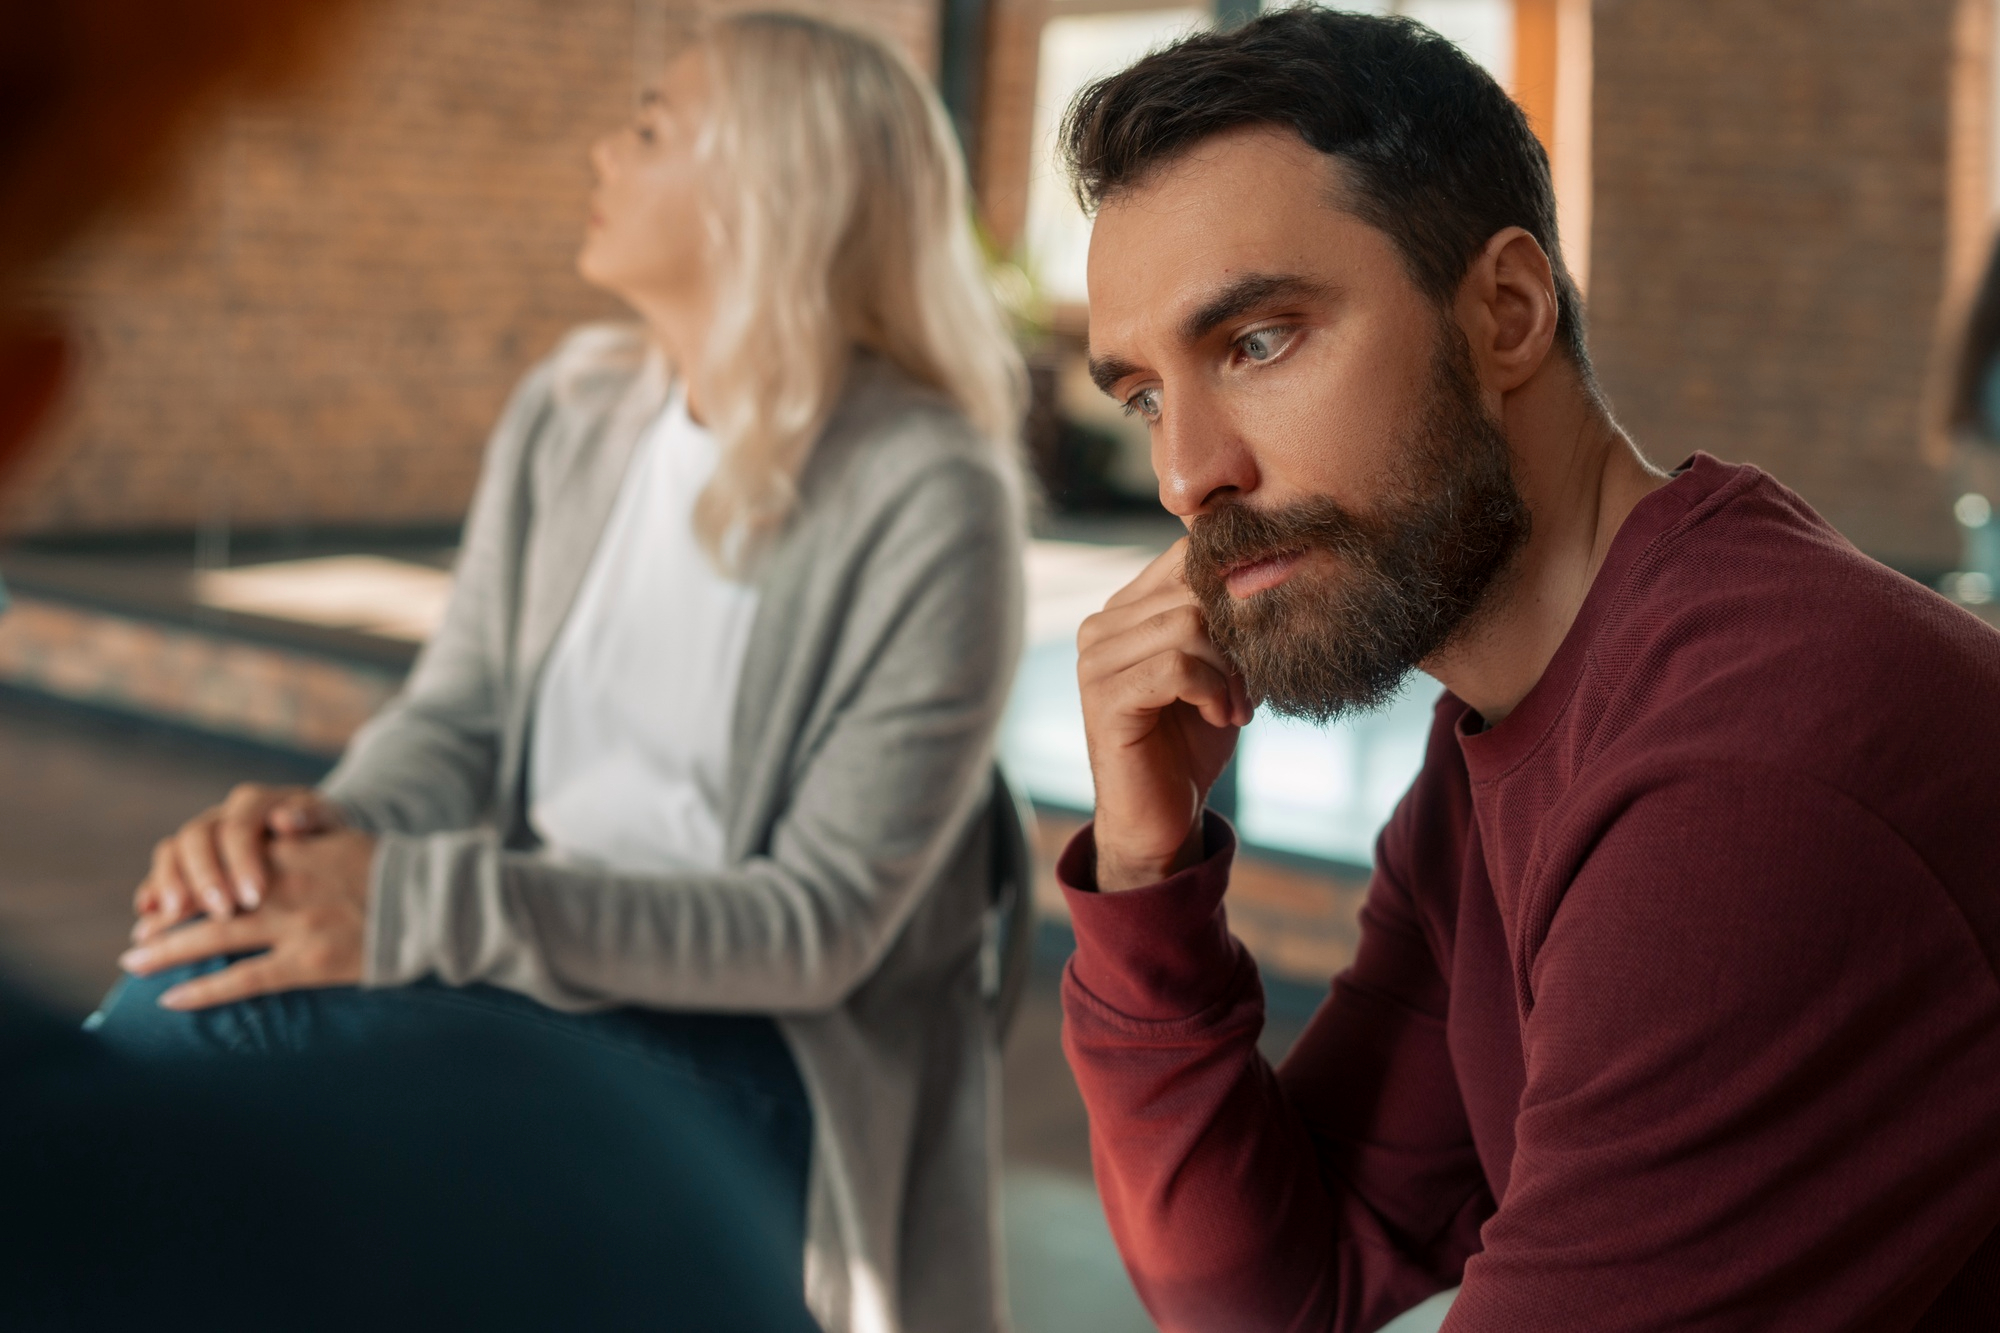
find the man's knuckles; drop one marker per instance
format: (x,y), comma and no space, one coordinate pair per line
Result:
(1177,629)
(1183,672)
(1180,624)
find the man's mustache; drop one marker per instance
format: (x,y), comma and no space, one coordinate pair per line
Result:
(1239,534)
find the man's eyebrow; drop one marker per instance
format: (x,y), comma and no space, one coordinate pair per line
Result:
(1247,294)
(1107,371)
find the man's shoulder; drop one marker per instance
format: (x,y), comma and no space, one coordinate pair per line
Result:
(1751,643)
(1751,621)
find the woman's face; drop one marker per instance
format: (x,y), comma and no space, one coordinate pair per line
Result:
(646,239)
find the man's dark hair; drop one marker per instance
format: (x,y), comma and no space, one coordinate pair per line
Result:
(1436,154)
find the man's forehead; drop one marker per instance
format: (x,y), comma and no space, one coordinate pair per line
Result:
(1248,216)
(1261,188)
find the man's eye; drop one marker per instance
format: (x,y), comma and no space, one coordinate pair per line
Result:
(1263,344)
(1145,403)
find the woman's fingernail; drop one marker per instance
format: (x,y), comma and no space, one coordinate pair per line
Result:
(174,999)
(248,893)
(134,959)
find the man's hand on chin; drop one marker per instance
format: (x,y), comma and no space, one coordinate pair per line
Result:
(307,933)
(1161,709)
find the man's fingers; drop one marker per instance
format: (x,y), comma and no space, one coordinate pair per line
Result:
(192,944)
(1168,678)
(262,975)
(1163,572)
(1177,628)
(1114,620)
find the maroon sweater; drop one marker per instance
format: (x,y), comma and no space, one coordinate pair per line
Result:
(1675,1005)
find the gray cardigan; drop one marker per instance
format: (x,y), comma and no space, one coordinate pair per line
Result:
(853,908)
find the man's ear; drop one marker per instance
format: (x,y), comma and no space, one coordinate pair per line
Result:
(34,365)
(1507,305)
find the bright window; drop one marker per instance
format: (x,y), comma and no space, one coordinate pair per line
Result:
(1076,51)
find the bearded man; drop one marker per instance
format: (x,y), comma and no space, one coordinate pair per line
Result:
(1675,1004)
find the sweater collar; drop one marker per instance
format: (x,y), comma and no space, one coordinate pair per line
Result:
(1492,753)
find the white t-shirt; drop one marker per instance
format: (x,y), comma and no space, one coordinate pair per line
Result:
(629,756)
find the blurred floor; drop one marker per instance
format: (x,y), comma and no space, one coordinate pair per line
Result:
(84,796)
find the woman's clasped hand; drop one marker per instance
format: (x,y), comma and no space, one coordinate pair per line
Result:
(271,873)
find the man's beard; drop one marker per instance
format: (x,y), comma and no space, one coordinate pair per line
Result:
(1411,574)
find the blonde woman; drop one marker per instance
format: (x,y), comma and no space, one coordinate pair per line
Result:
(697,766)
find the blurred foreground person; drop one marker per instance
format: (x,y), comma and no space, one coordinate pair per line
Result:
(1675,1004)
(419,1185)
(696,771)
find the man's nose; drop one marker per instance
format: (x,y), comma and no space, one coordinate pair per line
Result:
(1200,458)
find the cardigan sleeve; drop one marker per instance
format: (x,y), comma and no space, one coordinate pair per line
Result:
(930,634)
(428,760)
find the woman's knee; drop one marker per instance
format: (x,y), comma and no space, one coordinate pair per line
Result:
(131,1021)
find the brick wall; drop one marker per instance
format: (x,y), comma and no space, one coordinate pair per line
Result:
(1776,211)
(321,324)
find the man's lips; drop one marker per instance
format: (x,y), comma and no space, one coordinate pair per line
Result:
(1250,577)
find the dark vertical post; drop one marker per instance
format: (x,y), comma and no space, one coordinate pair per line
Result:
(962,71)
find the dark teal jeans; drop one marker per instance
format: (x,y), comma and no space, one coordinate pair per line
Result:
(738,1063)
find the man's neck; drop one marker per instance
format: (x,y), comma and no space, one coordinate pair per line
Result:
(1581,477)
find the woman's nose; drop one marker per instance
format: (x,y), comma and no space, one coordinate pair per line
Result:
(600,157)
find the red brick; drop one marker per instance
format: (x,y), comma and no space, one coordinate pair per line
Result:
(321,326)
(1773,229)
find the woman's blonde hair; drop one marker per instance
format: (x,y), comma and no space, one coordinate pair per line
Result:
(840,221)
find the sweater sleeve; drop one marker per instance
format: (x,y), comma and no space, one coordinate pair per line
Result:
(427,760)
(1759,1073)
(878,808)
(1757,1039)
(1331,1194)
